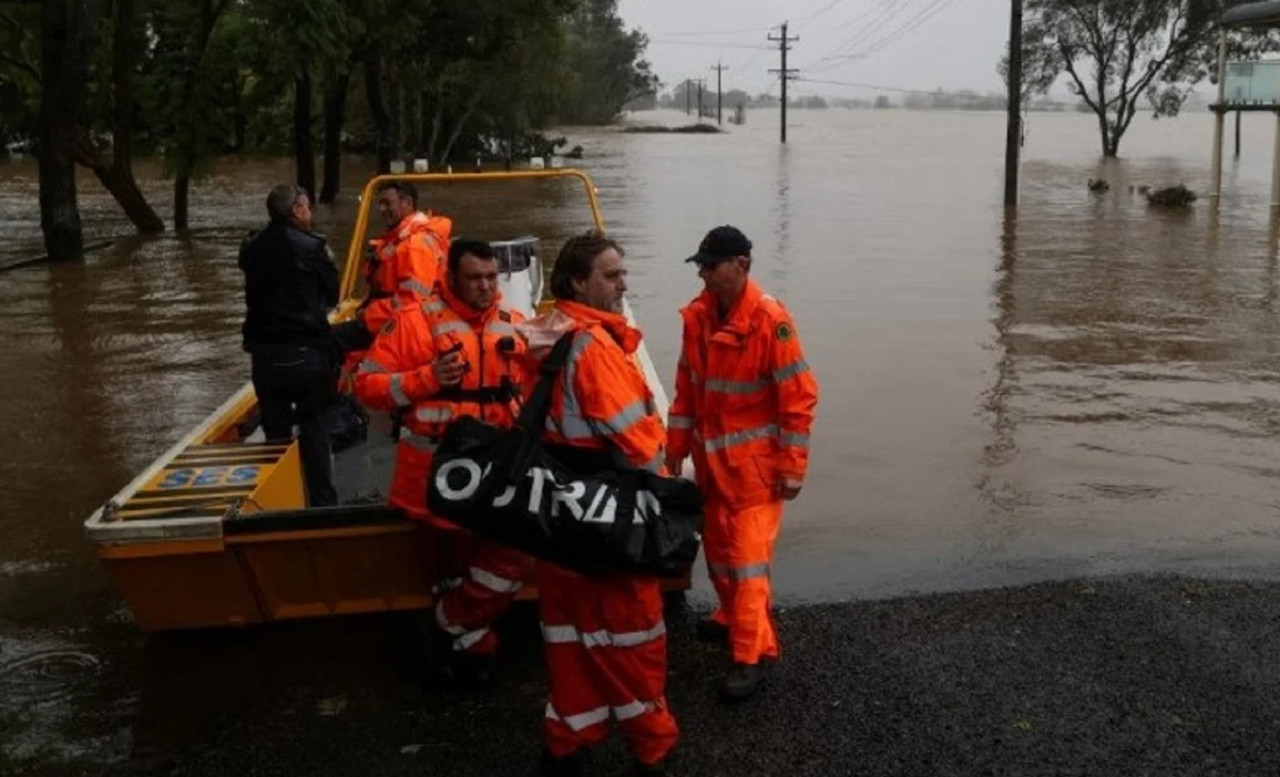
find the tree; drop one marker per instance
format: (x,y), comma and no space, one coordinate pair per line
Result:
(192,73)
(116,174)
(1118,52)
(607,63)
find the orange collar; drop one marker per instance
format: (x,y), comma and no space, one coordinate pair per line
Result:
(625,335)
(739,318)
(462,309)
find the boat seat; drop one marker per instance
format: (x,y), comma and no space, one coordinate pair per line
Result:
(206,481)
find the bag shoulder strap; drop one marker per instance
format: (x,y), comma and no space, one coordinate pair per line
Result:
(533,416)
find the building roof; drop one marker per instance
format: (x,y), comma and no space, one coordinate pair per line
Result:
(1266,14)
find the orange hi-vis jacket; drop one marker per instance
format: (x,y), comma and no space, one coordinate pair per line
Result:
(606,396)
(406,263)
(396,375)
(744,400)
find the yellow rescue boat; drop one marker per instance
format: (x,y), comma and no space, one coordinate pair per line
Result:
(216,531)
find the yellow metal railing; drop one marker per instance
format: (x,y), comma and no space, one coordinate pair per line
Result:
(355,252)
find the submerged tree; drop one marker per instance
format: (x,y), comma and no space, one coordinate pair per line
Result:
(1118,53)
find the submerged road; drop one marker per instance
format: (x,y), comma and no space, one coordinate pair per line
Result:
(1115,676)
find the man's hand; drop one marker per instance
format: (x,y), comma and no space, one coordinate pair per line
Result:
(674,466)
(789,488)
(448,369)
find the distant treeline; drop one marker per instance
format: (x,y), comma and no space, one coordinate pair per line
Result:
(938,100)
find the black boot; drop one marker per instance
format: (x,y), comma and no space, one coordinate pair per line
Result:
(709,630)
(575,764)
(742,682)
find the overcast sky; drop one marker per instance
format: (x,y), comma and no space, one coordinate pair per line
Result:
(908,44)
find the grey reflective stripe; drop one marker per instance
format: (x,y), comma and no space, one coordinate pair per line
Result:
(734,386)
(746,435)
(413,284)
(419,441)
(397,391)
(494,583)
(582,719)
(433,305)
(501,328)
(632,710)
(556,635)
(433,414)
(559,635)
(739,573)
(445,327)
(448,626)
(680,422)
(655,464)
(798,440)
(572,424)
(470,638)
(793,369)
(369,365)
(627,417)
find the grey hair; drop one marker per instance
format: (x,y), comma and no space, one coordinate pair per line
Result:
(281,200)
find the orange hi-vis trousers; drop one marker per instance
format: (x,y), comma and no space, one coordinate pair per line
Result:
(738,546)
(479,578)
(606,651)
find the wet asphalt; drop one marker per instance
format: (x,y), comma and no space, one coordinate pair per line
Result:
(1118,676)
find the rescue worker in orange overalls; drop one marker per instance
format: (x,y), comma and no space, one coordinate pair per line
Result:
(454,354)
(604,638)
(401,266)
(744,404)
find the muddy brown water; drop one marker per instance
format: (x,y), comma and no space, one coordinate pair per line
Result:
(1088,386)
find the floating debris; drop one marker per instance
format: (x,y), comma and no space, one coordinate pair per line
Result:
(1172,197)
(1097,185)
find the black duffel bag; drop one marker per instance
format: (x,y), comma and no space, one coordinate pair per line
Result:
(584,510)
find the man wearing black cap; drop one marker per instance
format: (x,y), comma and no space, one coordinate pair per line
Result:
(744,404)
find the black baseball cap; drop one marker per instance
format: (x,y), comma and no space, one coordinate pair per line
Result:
(721,243)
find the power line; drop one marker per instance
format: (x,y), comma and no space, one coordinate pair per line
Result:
(821,11)
(910,26)
(888,12)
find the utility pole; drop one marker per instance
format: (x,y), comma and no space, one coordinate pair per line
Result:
(719,68)
(700,82)
(784,74)
(687,88)
(1013,130)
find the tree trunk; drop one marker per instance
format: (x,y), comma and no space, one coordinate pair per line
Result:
(239,121)
(304,156)
(378,108)
(335,109)
(181,200)
(119,178)
(397,117)
(64,67)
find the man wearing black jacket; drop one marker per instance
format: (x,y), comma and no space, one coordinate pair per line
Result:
(290,284)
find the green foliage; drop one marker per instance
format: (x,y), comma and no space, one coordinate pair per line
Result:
(459,78)
(1117,53)
(606,64)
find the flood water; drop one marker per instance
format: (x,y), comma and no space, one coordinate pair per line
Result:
(1086,387)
